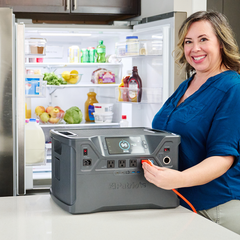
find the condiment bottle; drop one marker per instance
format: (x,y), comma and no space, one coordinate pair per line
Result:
(134,86)
(124,121)
(101,51)
(123,87)
(89,108)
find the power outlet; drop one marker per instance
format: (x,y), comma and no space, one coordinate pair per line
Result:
(87,162)
(121,163)
(133,163)
(110,164)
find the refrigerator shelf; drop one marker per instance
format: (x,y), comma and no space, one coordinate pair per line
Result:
(63,65)
(81,125)
(91,85)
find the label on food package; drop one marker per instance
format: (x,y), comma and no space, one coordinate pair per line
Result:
(90,112)
(106,77)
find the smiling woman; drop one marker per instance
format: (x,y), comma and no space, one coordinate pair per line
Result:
(204,111)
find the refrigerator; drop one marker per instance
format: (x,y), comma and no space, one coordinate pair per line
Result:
(160,76)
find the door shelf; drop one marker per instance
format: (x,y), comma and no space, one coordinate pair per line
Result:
(148,47)
(149,95)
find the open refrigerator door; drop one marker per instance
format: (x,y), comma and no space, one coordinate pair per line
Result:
(48,50)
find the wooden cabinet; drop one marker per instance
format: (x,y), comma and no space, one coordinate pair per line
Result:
(230,8)
(43,6)
(75,11)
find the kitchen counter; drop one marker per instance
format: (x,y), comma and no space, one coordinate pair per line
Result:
(37,217)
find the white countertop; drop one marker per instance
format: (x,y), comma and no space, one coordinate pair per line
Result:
(37,217)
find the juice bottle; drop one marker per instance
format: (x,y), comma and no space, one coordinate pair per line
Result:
(101,51)
(89,108)
(28,108)
(134,86)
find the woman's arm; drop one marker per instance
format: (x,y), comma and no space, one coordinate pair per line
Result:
(204,172)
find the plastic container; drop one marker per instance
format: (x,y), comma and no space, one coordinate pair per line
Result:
(103,117)
(132,46)
(103,107)
(35,46)
(101,52)
(35,143)
(33,85)
(124,121)
(89,108)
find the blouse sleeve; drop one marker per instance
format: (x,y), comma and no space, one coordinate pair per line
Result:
(224,135)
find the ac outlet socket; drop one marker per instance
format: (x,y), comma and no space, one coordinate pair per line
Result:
(110,163)
(133,163)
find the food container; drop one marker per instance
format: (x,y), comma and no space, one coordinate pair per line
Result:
(151,47)
(33,85)
(73,78)
(100,108)
(49,115)
(103,117)
(35,46)
(132,46)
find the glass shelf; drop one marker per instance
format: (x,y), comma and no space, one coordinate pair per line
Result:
(62,65)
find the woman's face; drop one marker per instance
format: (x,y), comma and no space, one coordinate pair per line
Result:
(202,49)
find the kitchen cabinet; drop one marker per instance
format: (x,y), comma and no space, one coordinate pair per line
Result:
(43,6)
(77,11)
(230,8)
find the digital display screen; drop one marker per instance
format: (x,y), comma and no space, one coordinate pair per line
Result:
(124,145)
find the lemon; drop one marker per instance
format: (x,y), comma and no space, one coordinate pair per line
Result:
(73,80)
(74,72)
(66,75)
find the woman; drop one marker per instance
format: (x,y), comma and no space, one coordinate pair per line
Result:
(205,111)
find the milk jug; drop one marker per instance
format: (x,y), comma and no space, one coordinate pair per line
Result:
(35,143)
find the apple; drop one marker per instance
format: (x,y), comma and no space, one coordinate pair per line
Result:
(39,110)
(49,109)
(54,112)
(53,120)
(61,114)
(44,117)
(58,107)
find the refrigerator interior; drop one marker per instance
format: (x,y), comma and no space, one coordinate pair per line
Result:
(154,70)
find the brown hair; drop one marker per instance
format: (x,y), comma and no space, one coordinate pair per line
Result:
(224,33)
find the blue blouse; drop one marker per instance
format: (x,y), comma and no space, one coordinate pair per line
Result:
(209,125)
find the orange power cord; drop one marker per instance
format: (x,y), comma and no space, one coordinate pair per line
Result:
(174,190)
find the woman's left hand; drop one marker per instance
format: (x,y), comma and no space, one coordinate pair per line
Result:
(162,177)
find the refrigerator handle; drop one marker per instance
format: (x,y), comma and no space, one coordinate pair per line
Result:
(67,4)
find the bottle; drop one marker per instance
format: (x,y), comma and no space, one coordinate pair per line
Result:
(124,121)
(101,52)
(89,108)
(134,86)
(35,143)
(123,87)
(28,108)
